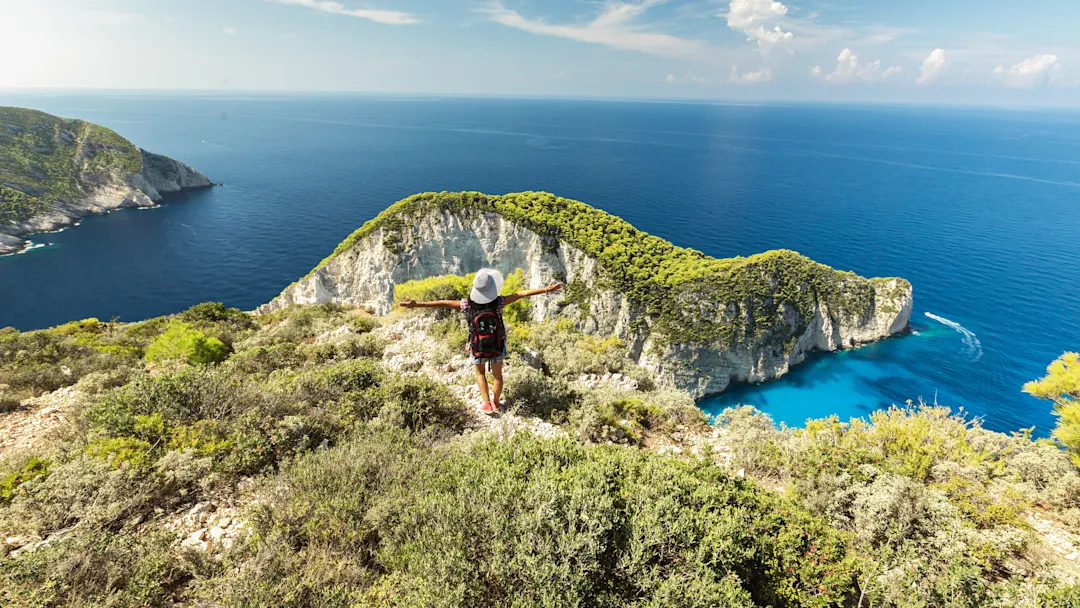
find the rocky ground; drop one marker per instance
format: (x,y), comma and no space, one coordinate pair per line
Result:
(28,425)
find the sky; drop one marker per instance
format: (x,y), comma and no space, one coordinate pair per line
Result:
(935,51)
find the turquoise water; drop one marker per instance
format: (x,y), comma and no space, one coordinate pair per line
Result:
(980,209)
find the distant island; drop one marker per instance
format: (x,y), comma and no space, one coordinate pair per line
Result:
(55,171)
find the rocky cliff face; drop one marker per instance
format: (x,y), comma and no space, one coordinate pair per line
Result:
(439,241)
(55,171)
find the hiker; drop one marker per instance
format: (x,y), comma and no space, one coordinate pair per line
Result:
(487,333)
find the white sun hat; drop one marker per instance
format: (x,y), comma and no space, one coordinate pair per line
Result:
(486,286)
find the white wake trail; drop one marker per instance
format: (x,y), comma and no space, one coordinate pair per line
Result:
(974,347)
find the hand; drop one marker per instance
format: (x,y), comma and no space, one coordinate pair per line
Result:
(554,286)
(408,304)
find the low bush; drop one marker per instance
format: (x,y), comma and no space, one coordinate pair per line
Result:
(527,522)
(452,287)
(418,403)
(535,393)
(568,352)
(101,569)
(185,343)
(267,359)
(38,362)
(363,324)
(26,470)
(352,347)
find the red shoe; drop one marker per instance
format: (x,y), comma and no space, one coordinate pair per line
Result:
(487,408)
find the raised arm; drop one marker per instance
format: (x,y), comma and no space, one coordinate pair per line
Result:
(434,304)
(514,297)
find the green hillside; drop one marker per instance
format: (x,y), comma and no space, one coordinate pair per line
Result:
(44,158)
(216,458)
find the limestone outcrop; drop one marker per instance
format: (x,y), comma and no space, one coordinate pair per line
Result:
(55,171)
(720,321)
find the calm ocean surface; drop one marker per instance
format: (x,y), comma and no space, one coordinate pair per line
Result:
(980,209)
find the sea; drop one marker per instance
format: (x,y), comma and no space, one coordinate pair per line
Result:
(978,208)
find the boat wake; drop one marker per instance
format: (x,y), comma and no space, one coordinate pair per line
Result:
(974,347)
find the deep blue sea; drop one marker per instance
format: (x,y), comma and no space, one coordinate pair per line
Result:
(980,209)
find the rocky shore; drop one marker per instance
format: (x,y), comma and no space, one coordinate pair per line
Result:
(54,172)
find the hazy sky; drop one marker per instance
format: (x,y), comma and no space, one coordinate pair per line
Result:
(987,51)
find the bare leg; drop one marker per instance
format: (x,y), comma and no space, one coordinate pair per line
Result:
(497,377)
(481,381)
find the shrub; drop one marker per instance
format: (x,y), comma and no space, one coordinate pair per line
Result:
(42,361)
(528,522)
(205,438)
(365,345)
(122,451)
(183,342)
(331,383)
(193,394)
(757,445)
(363,324)
(259,443)
(602,417)
(417,403)
(8,399)
(452,287)
(1061,385)
(99,569)
(567,352)
(209,313)
(34,468)
(297,324)
(532,391)
(267,359)
(86,489)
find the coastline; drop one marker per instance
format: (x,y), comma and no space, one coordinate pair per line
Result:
(14,240)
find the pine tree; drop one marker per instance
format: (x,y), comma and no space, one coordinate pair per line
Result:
(1062,386)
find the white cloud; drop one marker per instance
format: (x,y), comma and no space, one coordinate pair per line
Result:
(612,28)
(759,20)
(337,8)
(932,67)
(1031,72)
(762,75)
(850,69)
(689,78)
(229,30)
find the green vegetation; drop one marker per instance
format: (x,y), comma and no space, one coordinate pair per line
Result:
(184,342)
(693,297)
(452,287)
(369,485)
(549,523)
(1061,385)
(44,159)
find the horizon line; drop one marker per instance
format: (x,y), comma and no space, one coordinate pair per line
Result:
(765,101)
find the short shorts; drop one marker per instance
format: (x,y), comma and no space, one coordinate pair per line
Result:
(487,360)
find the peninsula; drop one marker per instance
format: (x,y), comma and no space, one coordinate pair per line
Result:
(55,171)
(696,322)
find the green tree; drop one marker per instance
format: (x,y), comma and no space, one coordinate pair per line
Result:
(1062,386)
(184,342)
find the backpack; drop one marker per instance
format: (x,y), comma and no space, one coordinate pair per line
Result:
(487,335)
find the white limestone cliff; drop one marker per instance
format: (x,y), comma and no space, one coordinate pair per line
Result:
(444,242)
(160,176)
